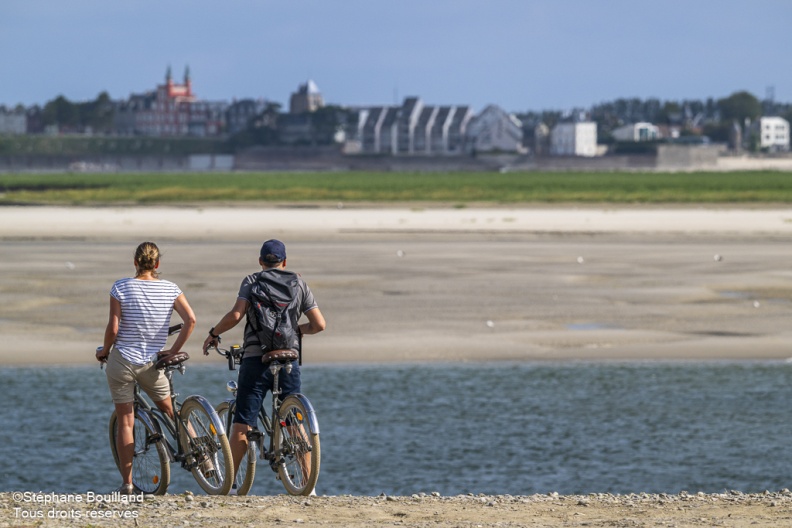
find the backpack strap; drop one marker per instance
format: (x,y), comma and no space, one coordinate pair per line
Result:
(299,347)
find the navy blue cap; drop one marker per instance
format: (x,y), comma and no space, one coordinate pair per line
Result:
(273,251)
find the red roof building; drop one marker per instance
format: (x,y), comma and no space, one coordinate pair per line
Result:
(171,110)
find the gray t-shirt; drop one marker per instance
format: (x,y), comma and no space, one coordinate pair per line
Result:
(305,303)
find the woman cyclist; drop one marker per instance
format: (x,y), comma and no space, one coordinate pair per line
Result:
(140,312)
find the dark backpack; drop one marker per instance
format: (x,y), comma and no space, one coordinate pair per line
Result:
(273,298)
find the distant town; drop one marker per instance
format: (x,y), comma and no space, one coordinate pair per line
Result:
(740,123)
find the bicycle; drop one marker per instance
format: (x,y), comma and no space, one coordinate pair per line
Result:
(196,438)
(293,450)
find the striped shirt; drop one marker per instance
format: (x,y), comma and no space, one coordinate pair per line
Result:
(146,307)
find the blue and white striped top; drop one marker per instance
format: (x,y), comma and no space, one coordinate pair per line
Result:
(146,307)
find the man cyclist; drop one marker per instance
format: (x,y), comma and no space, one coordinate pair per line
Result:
(254,378)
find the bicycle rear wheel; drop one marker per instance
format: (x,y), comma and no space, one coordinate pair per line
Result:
(247,466)
(150,463)
(208,447)
(298,445)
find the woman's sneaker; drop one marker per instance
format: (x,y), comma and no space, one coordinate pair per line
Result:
(127,489)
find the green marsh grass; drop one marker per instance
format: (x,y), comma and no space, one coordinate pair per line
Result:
(454,189)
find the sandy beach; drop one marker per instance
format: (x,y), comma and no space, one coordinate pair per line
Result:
(734,510)
(412,284)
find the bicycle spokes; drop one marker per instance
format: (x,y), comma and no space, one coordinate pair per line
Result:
(208,452)
(296,450)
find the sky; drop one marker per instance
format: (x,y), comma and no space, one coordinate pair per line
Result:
(519,54)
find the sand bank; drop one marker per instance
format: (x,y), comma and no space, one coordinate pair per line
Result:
(247,223)
(403,284)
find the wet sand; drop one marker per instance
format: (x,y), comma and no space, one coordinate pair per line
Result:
(402,284)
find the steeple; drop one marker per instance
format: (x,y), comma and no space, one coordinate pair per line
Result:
(187,80)
(168,76)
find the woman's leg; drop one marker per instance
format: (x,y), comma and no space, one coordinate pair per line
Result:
(166,406)
(125,440)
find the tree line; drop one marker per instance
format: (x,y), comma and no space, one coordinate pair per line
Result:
(710,117)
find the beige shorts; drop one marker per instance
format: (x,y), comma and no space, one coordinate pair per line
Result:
(122,375)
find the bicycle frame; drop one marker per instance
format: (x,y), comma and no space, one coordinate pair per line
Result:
(156,417)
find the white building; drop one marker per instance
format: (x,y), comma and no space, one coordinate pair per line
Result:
(773,133)
(12,122)
(574,139)
(307,98)
(637,132)
(495,130)
(411,129)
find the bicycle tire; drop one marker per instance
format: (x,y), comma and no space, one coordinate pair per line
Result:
(247,466)
(206,444)
(150,462)
(294,449)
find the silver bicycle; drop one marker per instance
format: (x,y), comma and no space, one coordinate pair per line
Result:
(287,439)
(196,439)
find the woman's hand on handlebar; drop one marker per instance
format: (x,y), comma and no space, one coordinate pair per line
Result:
(101,355)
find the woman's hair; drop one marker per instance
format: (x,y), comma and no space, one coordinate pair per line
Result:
(147,257)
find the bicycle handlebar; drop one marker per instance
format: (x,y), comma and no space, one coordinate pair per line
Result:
(232,354)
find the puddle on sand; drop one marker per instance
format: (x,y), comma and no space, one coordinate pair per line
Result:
(592,326)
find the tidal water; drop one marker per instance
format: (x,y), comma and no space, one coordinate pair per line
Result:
(504,428)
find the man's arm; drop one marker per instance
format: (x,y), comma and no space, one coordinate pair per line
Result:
(227,322)
(316,322)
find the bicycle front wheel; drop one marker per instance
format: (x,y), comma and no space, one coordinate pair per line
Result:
(208,449)
(297,445)
(247,466)
(150,463)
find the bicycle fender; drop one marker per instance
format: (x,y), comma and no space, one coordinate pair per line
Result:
(312,421)
(151,423)
(203,402)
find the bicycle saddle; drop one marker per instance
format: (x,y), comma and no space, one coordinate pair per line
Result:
(279,355)
(172,359)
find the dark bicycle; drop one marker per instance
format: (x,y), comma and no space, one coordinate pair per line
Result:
(196,439)
(288,438)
